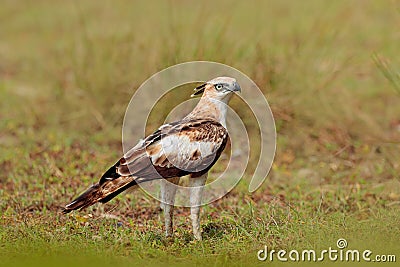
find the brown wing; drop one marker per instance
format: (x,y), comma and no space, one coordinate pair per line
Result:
(176,149)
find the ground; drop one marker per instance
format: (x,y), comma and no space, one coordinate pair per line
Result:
(329,70)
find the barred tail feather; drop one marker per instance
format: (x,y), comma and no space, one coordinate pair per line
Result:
(103,193)
(88,198)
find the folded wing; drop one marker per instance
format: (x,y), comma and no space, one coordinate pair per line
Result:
(174,150)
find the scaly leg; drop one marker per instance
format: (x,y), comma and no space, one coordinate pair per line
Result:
(196,194)
(168,191)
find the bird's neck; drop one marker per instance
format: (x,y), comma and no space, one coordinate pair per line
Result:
(210,108)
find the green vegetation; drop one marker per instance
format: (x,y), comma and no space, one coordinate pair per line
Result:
(329,69)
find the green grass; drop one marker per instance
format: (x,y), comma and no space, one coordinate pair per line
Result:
(329,70)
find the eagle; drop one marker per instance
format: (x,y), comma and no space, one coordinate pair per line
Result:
(190,146)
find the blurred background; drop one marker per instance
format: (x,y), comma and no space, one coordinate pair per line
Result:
(329,69)
(74,66)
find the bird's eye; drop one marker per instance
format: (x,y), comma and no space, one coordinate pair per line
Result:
(218,86)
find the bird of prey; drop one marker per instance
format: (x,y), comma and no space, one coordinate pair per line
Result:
(190,146)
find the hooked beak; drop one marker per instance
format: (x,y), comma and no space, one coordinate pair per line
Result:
(236,87)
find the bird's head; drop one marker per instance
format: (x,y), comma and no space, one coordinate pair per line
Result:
(220,88)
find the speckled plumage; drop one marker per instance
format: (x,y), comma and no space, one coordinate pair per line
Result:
(190,146)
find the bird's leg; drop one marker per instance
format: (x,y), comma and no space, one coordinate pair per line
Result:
(168,191)
(162,193)
(196,193)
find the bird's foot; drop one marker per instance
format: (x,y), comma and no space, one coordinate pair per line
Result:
(197,235)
